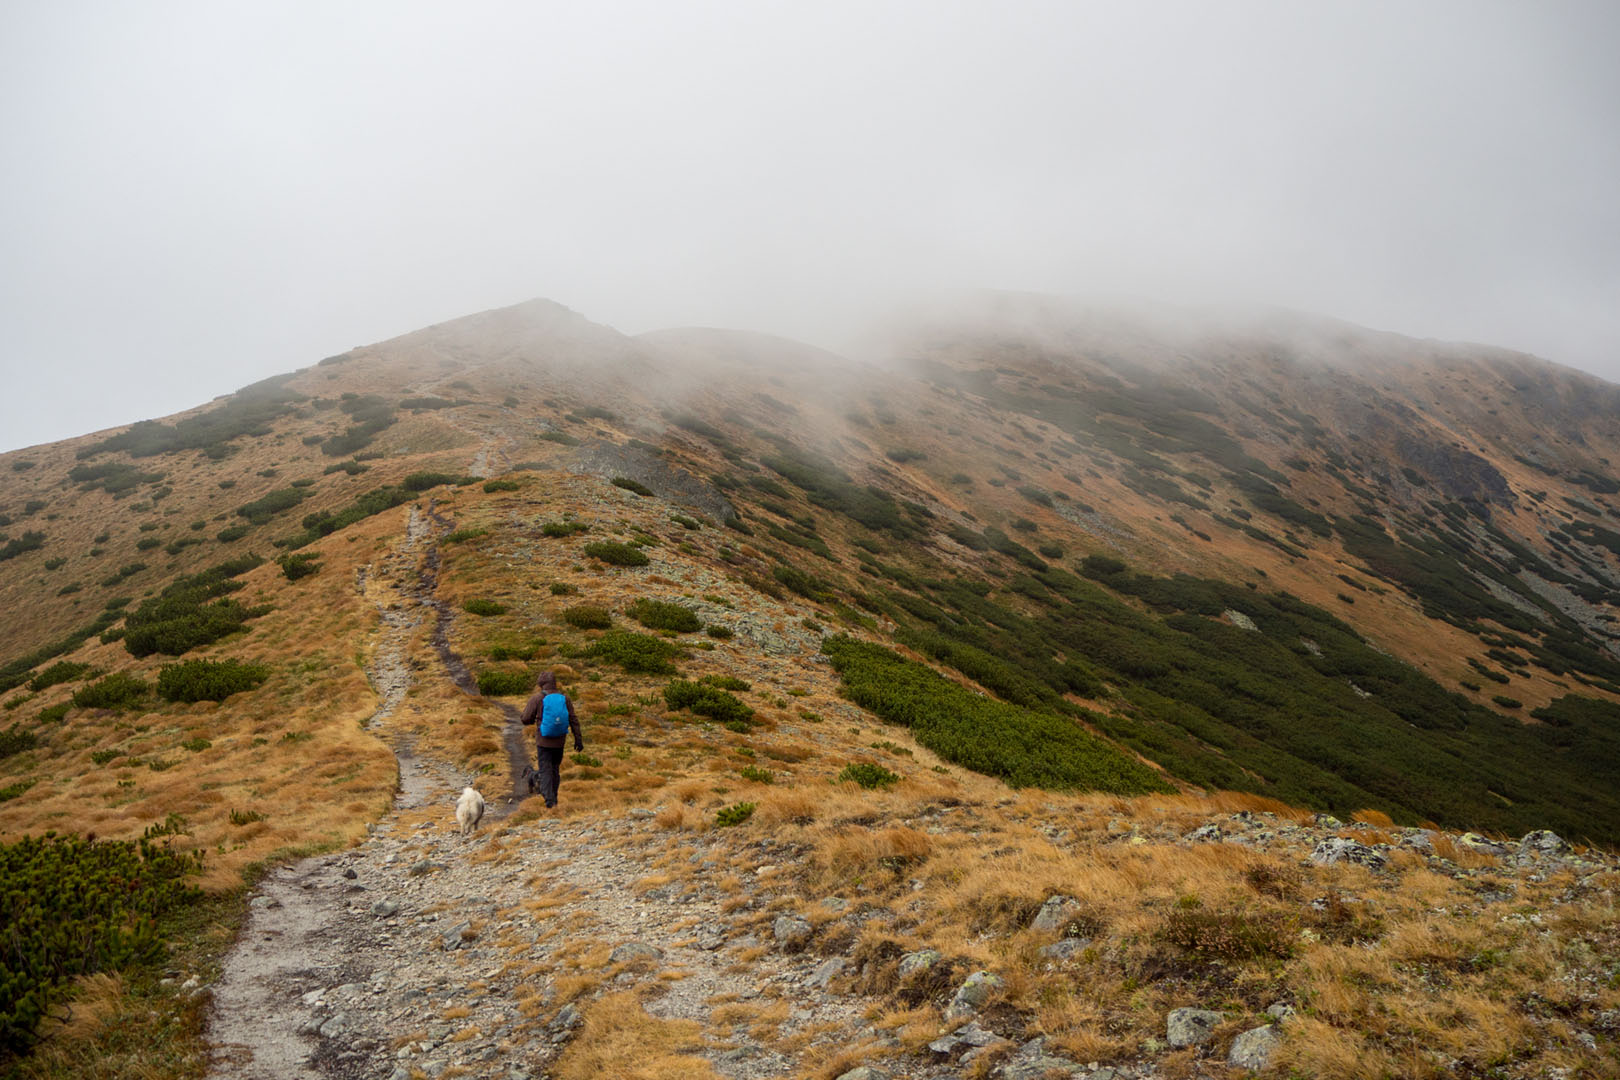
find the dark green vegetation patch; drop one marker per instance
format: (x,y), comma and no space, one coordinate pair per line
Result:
(710,701)
(662,615)
(246,415)
(638,654)
(192,611)
(73,907)
(1025,747)
(616,554)
(208,680)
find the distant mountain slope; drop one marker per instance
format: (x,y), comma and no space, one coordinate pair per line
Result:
(1340,568)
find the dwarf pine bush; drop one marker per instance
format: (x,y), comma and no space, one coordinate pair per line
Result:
(638,654)
(869,776)
(635,486)
(116,691)
(735,814)
(661,615)
(484,607)
(559,529)
(616,554)
(708,701)
(493,682)
(587,617)
(76,906)
(208,680)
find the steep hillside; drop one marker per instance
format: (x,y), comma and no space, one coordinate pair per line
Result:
(1035,594)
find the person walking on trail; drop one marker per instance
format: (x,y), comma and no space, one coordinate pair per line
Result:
(553,716)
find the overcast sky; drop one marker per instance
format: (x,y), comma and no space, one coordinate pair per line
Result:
(197,195)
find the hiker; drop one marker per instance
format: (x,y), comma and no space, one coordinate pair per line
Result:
(553,716)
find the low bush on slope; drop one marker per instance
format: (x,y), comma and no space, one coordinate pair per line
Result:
(1024,747)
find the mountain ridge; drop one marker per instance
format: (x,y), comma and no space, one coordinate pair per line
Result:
(1063,557)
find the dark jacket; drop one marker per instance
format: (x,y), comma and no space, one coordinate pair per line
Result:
(531,716)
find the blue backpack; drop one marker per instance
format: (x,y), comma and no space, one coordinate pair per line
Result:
(554,716)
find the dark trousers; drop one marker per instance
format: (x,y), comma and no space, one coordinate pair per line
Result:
(550,774)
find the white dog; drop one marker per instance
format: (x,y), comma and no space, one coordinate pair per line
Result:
(469,810)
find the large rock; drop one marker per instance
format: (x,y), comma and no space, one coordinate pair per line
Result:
(1252,1049)
(631,951)
(1190,1027)
(1336,849)
(1056,914)
(1543,843)
(791,931)
(970,1034)
(915,963)
(971,996)
(864,1072)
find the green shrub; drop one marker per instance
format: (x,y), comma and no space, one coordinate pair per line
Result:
(631,485)
(587,617)
(686,522)
(181,617)
(869,776)
(735,814)
(101,757)
(232,532)
(352,468)
(492,486)
(561,437)
(1024,746)
(12,791)
(562,588)
(261,510)
(483,607)
(709,701)
(558,529)
(60,672)
(422,481)
(521,650)
(208,680)
(124,573)
(296,567)
(587,760)
(723,633)
(69,589)
(726,682)
(493,682)
(147,543)
(116,691)
(76,906)
(1507,702)
(196,745)
(638,654)
(758,775)
(16,740)
(54,714)
(661,615)
(55,564)
(246,817)
(616,554)
(461,536)
(324,522)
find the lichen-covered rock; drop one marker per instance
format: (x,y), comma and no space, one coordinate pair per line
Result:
(791,931)
(914,963)
(1056,914)
(1336,849)
(1190,1027)
(864,1072)
(1543,843)
(631,951)
(971,996)
(1252,1049)
(1205,834)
